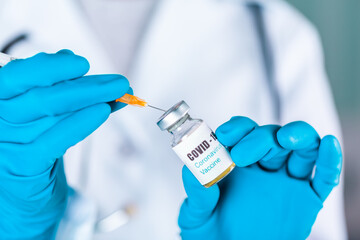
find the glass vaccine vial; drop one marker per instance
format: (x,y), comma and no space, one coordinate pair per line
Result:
(196,145)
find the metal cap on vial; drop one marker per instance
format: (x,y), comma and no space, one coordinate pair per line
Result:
(173,115)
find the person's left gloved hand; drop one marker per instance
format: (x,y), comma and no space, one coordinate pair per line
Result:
(271,194)
(47,105)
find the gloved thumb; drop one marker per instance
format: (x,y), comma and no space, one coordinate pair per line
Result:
(196,213)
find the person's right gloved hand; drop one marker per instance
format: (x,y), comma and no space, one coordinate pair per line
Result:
(47,105)
(272,193)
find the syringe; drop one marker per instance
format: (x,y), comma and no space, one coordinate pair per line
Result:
(135,101)
(127,98)
(5,59)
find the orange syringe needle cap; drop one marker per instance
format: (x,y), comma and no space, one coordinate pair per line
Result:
(132,100)
(135,101)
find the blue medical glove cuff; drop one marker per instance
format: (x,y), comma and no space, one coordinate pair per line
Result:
(206,231)
(28,214)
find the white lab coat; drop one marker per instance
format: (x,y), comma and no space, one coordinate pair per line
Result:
(203,51)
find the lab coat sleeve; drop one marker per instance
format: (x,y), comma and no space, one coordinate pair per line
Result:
(306,95)
(78,222)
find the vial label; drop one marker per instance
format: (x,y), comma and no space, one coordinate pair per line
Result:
(203,154)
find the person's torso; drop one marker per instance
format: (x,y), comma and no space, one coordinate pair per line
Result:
(205,52)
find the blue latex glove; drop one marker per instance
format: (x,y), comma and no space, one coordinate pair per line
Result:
(46,106)
(271,194)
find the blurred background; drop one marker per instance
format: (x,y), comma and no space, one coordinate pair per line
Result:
(339,25)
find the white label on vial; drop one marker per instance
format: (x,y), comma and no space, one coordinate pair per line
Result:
(203,154)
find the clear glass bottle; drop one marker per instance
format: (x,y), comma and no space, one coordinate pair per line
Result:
(196,145)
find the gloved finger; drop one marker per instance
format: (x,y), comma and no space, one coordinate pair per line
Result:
(260,144)
(328,167)
(34,189)
(304,141)
(64,97)
(118,105)
(276,162)
(200,203)
(28,132)
(65,51)
(40,70)
(35,158)
(234,130)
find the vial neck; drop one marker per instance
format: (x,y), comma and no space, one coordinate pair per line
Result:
(176,128)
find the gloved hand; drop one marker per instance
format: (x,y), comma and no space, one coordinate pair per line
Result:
(46,106)
(271,193)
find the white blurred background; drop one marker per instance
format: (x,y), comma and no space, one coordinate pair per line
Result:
(339,25)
